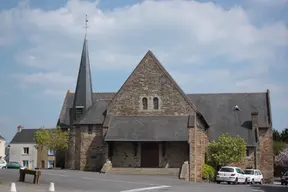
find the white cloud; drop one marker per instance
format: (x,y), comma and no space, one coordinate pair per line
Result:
(196,31)
(190,38)
(49,80)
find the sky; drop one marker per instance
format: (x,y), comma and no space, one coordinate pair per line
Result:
(207,46)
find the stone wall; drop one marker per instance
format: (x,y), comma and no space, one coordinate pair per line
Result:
(266,161)
(70,153)
(77,148)
(124,156)
(175,155)
(248,162)
(149,81)
(198,141)
(91,154)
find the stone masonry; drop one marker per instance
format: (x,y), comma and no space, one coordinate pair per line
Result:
(266,160)
(175,154)
(198,142)
(149,80)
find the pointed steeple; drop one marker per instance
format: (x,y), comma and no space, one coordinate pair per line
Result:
(83,97)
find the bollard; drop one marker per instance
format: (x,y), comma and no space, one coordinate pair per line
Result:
(13,187)
(51,187)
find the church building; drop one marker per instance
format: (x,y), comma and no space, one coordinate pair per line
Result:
(150,122)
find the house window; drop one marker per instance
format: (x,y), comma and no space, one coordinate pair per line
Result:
(145,103)
(51,152)
(25,163)
(89,129)
(50,164)
(156,103)
(26,150)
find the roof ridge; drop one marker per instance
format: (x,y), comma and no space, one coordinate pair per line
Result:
(225,93)
(196,93)
(150,115)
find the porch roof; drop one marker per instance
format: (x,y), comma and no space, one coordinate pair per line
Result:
(148,128)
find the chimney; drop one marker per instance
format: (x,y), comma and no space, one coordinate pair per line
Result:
(20,127)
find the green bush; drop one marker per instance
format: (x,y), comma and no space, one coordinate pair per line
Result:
(208,172)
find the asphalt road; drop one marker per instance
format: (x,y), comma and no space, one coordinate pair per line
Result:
(74,181)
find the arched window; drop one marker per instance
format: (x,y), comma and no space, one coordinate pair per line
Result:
(156,103)
(145,103)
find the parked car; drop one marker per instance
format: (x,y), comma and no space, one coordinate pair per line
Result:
(14,165)
(284,178)
(231,175)
(3,163)
(254,176)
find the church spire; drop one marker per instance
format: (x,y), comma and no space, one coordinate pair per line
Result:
(83,94)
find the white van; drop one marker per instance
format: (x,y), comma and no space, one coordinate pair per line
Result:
(3,163)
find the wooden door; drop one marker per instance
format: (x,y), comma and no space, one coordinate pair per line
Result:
(150,155)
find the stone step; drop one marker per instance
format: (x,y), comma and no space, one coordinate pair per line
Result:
(145,171)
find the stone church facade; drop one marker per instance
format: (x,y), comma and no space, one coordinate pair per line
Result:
(151,123)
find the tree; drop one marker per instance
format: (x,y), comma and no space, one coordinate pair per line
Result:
(276,135)
(284,135)
(278,146)
(42,138)
(54,139)
(282,158)
(226,150)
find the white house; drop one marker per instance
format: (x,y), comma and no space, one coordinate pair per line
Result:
(23,148)
(2,147)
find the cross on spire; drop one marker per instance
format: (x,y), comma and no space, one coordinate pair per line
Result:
(86,25)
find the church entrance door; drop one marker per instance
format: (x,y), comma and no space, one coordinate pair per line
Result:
(150,155)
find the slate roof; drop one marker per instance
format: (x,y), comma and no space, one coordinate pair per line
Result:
(83,93)
(148,128)
(217,108)
(95,114)
(25,136)
(2,138)
(64,119)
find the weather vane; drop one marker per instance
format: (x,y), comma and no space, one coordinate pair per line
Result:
(86,24)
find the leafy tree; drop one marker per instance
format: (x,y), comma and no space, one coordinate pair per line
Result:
(278,146)
(276,135)
(284,135)
(226,150)
(42,138)
(282,158)
(59,139)
(55,139)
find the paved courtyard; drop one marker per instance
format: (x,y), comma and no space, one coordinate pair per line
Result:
(76,181)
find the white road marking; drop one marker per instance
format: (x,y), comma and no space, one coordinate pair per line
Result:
(259,190)
(146,188)
(97,179)
(55,174)
(119,181)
